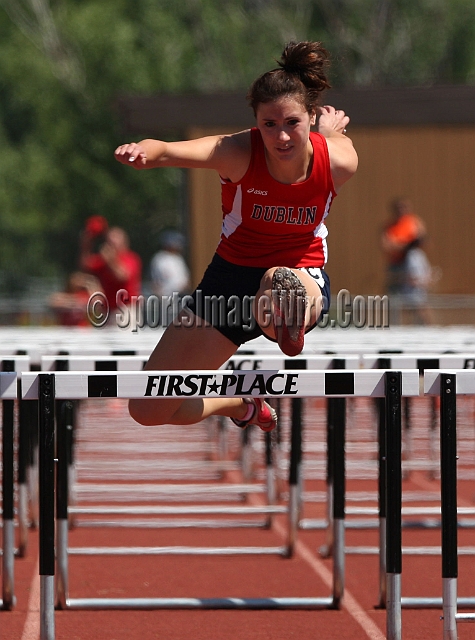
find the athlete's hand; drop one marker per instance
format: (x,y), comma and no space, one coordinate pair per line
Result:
(332,119)
(343,158)
(131,154)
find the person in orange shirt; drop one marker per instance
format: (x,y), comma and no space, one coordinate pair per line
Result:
(403,228)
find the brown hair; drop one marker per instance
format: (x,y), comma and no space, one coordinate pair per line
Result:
(301,74)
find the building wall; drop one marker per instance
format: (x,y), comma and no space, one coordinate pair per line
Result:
(432,165)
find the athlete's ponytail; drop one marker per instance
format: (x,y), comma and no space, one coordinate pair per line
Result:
(301,74)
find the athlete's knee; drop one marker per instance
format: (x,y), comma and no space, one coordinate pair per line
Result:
(143,412)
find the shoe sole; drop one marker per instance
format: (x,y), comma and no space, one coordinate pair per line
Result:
(290,301)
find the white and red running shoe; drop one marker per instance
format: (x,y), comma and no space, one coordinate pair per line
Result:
(263,415)
(290,301)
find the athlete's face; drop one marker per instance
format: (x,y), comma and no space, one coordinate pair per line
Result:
(285,126)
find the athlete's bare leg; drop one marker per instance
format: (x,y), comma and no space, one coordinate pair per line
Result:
(193,347)
(191,344)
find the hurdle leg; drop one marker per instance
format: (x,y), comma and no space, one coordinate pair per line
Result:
(448,470)
(246,452)
(432,437)
(64,428)
(383,363)
(32,469)
(393,607)
(46,504)
(24,417)
(294,474)
(393,387)
(339,500)
(301,477)
(407,431)
(222,438)
(277,453)
(270,478)
(336,417)
(8,597)
(271,443)
(382,499)
(326,550)
(70,442)
(210,426)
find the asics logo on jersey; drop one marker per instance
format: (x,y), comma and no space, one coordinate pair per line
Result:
(257,192)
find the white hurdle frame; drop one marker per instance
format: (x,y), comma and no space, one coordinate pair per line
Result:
(67,385)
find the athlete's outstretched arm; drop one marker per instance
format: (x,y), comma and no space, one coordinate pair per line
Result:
(224,153)
(332,124)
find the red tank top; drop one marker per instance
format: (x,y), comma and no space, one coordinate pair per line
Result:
(267,223)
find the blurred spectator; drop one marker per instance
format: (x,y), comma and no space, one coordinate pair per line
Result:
(169,273)
(168,268)
(402,229)
(70,306)
(105,253)
(419,276)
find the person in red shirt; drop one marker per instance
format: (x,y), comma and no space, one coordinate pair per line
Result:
(278,181)
(70,306)
(111,260)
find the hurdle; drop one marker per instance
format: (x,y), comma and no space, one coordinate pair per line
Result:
(8,395)
(240,361)
(335,459)
(336,426)
(68,385)
(449,384)
(115,361)
(421,362)
(335,416)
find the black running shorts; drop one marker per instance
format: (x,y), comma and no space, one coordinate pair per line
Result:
(225,296)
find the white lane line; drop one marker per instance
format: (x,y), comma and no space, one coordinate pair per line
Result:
(349,602)
(31,630)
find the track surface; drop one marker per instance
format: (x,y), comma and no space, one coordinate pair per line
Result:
(136,462)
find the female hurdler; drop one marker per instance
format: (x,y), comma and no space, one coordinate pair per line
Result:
(278,181)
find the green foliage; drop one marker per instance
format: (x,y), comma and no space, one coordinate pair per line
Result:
(63,67)
(388,42)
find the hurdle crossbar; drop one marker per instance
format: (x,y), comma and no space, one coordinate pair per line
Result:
(214,384)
